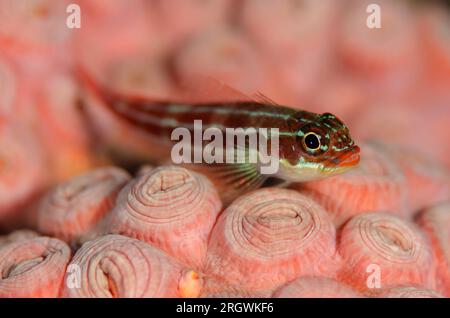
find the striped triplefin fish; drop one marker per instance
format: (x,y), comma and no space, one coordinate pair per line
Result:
(310,145)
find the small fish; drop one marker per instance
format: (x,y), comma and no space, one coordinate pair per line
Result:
(311,146)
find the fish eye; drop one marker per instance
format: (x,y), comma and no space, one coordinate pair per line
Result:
(311,141)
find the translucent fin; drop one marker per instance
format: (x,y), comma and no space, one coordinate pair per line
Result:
(261,98)
(204,89)
(231,180)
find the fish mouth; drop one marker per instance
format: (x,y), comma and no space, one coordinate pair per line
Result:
(348,159)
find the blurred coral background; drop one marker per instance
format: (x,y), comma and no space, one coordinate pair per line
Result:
(390,84)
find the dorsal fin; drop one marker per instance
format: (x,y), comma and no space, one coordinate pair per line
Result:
(203,89)
(261,98)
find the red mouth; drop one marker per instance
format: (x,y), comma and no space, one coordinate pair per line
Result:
(349,158)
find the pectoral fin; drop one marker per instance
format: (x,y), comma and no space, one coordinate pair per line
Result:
(231,180)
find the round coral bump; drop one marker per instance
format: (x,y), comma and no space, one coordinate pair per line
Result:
(115,266)
(380,250)
(344,93)
(144,169)
(427,181)
(22,169)
(434,26)
(222,55)
(33,267)
(171,208)
(180,19)
(37,24)
(275,25)
(73,208)
(436,223)
(218,288)
(297,53)
(316,287)
(397,127)
(377,49)
(8,87)
(409,292)
(268,237)
(18,235)
(103,32)
(139,75)
(67,140)
(376,184)
(215,287)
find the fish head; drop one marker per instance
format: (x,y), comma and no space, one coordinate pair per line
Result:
(324,148)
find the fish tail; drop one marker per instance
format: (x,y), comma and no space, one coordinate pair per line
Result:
(94,86)
(138,111)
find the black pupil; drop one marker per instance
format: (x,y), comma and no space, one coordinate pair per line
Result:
(312,141)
